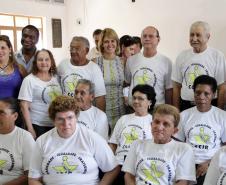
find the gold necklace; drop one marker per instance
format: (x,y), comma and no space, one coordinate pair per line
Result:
(2,69)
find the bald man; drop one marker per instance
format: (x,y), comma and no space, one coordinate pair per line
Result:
(150,67)
(199,60)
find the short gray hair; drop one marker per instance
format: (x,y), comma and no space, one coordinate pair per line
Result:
(81,39)
(203,24)
(87,82)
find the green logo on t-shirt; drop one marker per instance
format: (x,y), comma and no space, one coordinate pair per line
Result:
(202,137)
(153,174)
(132,136)
(66,167)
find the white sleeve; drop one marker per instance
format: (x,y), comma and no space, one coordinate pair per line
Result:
(128,72)
(213,172)
(168,82)
(35,170)
(185,169)
(103,154)
(98,81)
(221,68)
(176,73)
(28,146)
(126,91)
(115,137)
(102,126)
(26,90)
(180,134)
(131,158)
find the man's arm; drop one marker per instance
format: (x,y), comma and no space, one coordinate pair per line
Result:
(129,179)
(110,176)
(21,180)
(169,96)
(182,182)
(220,95)
(33,181)
(176,94)
(100,102)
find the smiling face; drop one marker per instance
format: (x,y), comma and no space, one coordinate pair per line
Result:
(78,52)
(4,52)
(109,45)
(43,61)
(163,128)
(29,39)
(140,103)
(198,38)
(65,122)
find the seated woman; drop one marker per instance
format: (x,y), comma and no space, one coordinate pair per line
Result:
(133,126)
(216,174)
(70,153)
(11,73)
(161,161)
(16,145)
(37,91)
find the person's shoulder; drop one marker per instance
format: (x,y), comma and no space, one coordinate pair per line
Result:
(98,111)
(181,146)
(64,62)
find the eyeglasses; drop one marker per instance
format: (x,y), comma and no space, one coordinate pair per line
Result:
(139,98)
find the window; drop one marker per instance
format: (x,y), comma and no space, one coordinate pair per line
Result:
(12,26)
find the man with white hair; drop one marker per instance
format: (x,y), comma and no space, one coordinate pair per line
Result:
(199,60)
(78,67)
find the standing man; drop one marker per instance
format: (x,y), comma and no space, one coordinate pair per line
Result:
(194,62)
(150,67)
(25,56)
(94,52)
(89,115)
(203,126)
(78,67)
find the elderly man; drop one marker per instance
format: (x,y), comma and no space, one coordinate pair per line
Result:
(78,67)
(29,39)
(94,52)
(150,67)
(203,126)
(194,62)
(89,115)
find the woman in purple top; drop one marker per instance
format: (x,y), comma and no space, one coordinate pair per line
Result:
(11,73)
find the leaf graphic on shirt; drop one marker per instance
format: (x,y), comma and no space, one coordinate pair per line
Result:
(2,163)
(193,75)
(153,174)
(66,167)
(143,79)
(53,94)
(202,137)
(132,136)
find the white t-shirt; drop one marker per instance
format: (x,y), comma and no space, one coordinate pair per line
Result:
(40,94)
(216,174)
(160,164)
(69,75)
(128,129)
(93,53)
(15,152)
(190,65)
(74,160)
(96,120)
(154,71)
(204,131)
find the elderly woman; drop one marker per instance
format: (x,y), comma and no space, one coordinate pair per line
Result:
(113,71)
(133,126)
(162,160)
(70,153)
(216,174)
(16,145)
(11,73)
(37,91)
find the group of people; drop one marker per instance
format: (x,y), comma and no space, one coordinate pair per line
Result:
(111,115)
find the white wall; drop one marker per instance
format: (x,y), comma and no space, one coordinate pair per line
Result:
(172,17)
(43,9)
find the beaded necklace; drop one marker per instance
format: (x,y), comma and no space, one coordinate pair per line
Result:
(2,70)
